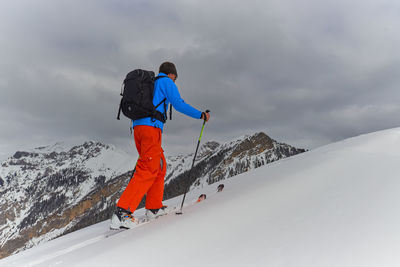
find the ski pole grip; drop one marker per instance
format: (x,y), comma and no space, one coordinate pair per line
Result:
(204,113)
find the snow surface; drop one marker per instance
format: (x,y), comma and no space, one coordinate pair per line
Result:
(334,206)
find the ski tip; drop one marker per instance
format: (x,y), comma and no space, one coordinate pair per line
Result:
(220,187)
(201,197)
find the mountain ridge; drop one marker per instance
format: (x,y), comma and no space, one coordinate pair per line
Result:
(49,191)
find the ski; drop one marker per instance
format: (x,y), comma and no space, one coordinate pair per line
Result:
(203,197)
(141,221)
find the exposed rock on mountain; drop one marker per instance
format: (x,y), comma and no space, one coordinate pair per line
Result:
(217,162)
(49,191)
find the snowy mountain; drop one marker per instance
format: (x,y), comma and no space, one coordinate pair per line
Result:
(217,162)
(333,206)
(48,190)
(53,190)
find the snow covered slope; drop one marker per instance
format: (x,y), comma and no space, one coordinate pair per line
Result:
(334,206)
(50,191)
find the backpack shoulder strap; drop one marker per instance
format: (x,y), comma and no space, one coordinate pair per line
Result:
(163,101)
(155,79)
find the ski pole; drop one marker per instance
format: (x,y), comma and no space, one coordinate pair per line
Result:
(194,159)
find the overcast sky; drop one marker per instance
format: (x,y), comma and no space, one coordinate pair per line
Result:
(306,72)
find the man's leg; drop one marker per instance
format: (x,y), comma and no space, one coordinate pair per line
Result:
(148,143)
(156,192)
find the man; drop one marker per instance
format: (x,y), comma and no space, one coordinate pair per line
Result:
(151,166)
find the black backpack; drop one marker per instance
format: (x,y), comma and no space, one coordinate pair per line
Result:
(137,97)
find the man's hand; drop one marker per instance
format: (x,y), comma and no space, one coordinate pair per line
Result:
(205,116)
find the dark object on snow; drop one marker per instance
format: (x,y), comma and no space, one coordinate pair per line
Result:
(137,97)
(201,197)
(220,187)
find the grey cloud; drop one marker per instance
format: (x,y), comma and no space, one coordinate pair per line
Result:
(307,72)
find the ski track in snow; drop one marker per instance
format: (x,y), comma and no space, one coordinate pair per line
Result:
(65,251)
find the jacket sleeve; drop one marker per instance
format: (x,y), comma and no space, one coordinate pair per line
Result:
(178,103)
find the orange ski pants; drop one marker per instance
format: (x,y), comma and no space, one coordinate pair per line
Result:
(150,171)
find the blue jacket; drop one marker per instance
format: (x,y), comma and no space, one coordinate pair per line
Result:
(166,88)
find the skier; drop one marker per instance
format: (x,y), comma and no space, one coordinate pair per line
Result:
(151,166)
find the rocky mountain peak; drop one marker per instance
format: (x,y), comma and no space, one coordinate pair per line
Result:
(253,145)
(50,190)
(211,145)
(207,149)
